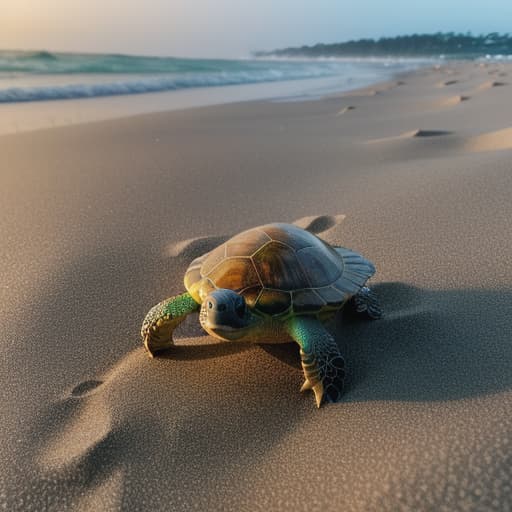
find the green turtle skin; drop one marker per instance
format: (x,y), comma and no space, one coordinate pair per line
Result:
(272,284)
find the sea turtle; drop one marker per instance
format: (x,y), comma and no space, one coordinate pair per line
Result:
(272,284)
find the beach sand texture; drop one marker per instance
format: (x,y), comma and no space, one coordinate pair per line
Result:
(98,223)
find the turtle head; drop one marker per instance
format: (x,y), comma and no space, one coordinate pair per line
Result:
(224,314)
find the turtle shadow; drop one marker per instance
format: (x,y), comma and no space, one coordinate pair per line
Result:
(288,353)
(430,345)
(193,352)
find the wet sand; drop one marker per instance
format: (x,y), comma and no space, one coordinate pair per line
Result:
(414,174)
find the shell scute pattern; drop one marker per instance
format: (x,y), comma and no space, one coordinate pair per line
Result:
(332,296)
(246,243)
(280,269)
(294,237)
(234,273)
(251,295)
(307,301)
(321,265)
(273,302)
(213,259)
(192,277)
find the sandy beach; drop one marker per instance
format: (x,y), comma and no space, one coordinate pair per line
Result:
(99,222)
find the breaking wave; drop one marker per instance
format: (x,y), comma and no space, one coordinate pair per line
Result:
(36,76)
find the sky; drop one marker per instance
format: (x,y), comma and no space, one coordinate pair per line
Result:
(231,28)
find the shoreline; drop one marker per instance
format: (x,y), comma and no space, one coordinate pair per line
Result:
(39,115)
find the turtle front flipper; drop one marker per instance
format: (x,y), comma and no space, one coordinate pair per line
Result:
(163,318)
(365,302)
(322,362)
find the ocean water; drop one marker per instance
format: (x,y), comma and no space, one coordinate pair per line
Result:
(41,76)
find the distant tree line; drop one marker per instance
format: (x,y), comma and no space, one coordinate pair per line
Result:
(448,44)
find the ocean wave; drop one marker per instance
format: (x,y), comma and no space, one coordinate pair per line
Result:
(44,62)
(51,63)
(37,76)
(41,55)
(144,85)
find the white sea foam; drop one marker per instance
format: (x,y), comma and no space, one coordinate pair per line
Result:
(45,76)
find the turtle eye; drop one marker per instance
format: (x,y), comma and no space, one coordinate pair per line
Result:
(210,305)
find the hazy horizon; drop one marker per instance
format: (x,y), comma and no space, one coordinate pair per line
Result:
(228,29)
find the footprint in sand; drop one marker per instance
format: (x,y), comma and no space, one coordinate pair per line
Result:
(413,134)
(448,83)
(80,429)
(452,101)
(344,110)
(430,133)
(489,85)
(319,224)
(85,387)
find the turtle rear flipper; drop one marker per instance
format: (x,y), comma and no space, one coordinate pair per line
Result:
(322,362)
(366,303)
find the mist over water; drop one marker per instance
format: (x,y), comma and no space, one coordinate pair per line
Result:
(33,76)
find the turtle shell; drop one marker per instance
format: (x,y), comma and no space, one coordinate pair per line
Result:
(280,269)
